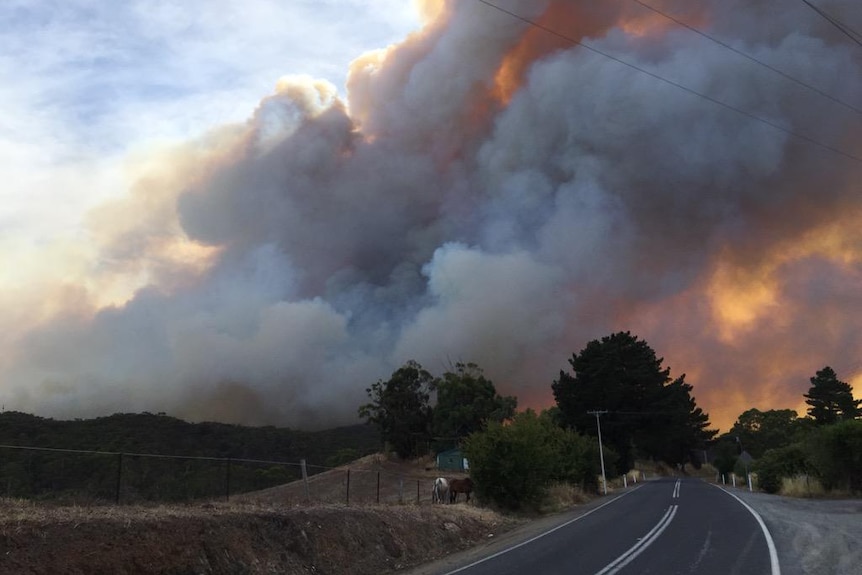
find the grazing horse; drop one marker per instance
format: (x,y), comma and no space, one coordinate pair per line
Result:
(440,491)
(457,486)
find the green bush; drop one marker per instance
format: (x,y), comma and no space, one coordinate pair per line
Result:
(776,464)
(514,464)
(835,455)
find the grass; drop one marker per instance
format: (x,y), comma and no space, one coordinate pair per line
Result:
(801,486)
(560,496)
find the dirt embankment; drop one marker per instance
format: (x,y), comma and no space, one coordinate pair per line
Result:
(234,538)
(293,528)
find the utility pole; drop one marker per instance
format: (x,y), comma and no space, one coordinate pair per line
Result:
(601,454)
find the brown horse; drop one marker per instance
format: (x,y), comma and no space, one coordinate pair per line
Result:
(457,486)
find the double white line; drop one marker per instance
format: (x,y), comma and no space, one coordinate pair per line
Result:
(676,489)
(641,545)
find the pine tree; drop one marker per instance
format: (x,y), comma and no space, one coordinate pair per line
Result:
(645,410)
(831,399)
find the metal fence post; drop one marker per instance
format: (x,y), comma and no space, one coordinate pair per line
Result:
(417,491)
(305,479)
(227,480)
(119,476)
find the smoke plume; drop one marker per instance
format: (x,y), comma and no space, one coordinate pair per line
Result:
(489,192)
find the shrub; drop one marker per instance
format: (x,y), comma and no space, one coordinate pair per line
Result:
(514,464)
(777,464)
(835,455)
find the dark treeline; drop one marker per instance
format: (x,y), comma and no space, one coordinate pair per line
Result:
(516,457)
(63,475)
(778,445)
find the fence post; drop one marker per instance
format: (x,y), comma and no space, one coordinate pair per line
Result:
(378,487)
(305,479)
(119,476)
(348,486)
(227,480)
(417,492)
(401,490)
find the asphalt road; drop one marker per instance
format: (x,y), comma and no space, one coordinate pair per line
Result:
(662,527)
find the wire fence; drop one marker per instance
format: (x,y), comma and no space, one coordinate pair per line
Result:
(85,476)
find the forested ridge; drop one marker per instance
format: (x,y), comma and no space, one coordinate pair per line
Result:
(163,434)
(31,473)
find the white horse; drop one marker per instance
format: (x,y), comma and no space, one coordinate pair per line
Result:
(440,491)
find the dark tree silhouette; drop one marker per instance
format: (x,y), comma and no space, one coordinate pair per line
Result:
(467,401)
(400,408)
(758,431)
(831,399)
(648,412)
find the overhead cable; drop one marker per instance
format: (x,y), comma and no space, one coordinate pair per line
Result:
(847,30)
(748,56)
(715,101)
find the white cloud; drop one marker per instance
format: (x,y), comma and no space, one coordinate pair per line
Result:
(83,83)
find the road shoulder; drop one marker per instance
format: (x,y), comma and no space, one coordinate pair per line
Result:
(812,536)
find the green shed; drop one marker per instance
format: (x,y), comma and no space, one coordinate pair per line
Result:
(452,460)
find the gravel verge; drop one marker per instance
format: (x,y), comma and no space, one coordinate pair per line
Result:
(812,536)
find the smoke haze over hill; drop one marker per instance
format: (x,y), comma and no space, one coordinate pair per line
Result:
(486,192)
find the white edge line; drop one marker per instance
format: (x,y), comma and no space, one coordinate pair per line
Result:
(540,535)
(773,554)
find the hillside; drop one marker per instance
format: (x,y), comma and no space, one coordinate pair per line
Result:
(262,532)
(26,473)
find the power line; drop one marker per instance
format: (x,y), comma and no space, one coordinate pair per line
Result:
(715,101)
(748,56)
(847,30)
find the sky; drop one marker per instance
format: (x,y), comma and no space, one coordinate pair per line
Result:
(249,213)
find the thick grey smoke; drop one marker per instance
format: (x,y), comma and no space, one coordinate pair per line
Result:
(430,218)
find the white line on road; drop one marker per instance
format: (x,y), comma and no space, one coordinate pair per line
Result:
(676,489)
(773,554)
(539,536)
(641,545)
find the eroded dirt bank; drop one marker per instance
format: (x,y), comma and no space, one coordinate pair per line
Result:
(215,539)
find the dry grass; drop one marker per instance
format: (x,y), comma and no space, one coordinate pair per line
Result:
(398,480)
(803,486)
(18,510)
(562,496)
(706,471)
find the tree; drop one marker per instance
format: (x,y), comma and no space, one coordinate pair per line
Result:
(758,431)
(646,410)
(467,401)
(681,427)
(400,408)
(831,399)
(725,454)
(835,455)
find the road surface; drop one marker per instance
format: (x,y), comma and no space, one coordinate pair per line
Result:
(661,527)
